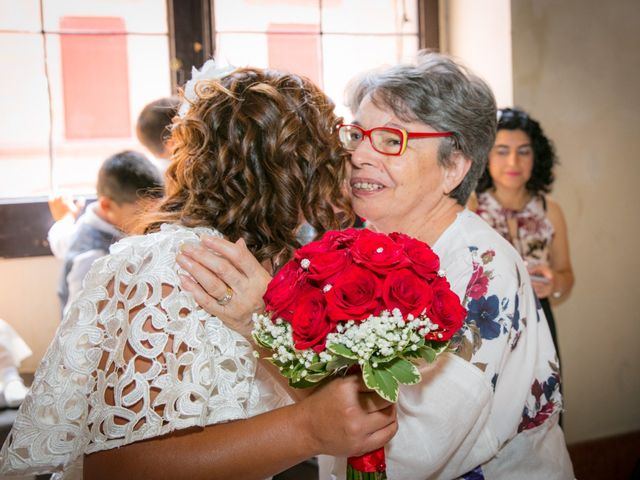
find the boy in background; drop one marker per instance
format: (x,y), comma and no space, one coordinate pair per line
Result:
(125,181)
(152,128)
(153,131)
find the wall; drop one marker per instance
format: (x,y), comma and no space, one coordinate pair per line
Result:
(480,37)
(28,302)
(574,66)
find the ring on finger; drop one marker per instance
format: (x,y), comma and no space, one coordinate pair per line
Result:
(227,297)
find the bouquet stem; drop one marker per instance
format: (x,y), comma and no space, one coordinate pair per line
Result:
(370,466)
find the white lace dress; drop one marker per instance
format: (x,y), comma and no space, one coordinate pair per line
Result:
(133,359)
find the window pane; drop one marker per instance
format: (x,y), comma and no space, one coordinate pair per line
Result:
(77,160)
(95,78)
(373,51)
(24,124)
(298,53)
(297,41)
(359,16)
(100,77)
(242,49)
(256,16)
(26,17)
(141,16)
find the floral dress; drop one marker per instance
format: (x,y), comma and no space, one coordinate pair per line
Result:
(90,393)
(534,233)
(489,408)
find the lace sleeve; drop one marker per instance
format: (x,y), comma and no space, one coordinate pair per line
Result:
(135,358)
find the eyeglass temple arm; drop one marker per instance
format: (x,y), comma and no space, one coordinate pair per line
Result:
(429,134)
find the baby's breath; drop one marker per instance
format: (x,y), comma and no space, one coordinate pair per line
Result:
(383,336)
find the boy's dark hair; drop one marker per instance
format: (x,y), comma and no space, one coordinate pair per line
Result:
(128,176)
(153,124)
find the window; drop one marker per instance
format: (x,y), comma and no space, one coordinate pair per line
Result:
(81,71)
(328,41)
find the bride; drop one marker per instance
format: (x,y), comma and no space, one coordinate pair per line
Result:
(139,381)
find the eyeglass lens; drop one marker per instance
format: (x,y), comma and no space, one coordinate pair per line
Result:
(383,140)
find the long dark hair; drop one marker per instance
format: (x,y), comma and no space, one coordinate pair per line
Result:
(544,155)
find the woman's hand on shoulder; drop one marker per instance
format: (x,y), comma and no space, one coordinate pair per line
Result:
(226,280)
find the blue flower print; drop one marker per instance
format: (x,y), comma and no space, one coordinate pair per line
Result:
(475,474)
(515,316)
(550,386)
(484,312)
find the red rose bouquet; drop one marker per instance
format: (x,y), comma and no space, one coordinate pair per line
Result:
(359,298)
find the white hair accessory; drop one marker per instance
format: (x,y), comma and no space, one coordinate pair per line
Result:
(209,71)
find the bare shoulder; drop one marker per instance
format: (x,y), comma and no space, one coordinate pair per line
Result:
(554,212)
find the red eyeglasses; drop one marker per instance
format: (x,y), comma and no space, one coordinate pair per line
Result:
(386,140)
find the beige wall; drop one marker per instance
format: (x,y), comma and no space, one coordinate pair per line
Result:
(481,38)
(575,67)
(28,302)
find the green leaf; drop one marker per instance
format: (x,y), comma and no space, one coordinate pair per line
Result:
(339,349)
(403,371)
(317,377)
(381,381)
(381,360)
(301,383)
(317,367)
(412,354)
(288,370)
(265,341)
(438,347)
(337,363)
(428,353)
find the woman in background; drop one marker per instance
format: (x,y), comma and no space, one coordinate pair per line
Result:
(512,199)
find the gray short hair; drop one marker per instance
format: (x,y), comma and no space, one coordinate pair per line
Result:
(441,93)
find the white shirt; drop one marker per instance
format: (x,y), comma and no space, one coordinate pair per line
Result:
(60,235)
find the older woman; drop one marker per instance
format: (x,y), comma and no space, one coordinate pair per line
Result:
(490,407)
(139,381)
(420,138)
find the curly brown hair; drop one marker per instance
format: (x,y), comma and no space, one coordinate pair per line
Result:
(255,154)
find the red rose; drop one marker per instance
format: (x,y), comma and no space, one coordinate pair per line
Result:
(424,261)
(446,311)
(324,267)
(331,241)
(378,252)
(312,249)
(310,324)
(355,295)
(282,290)
(403,289)
(340,239)
(478,284)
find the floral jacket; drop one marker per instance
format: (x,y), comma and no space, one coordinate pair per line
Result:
(488,408)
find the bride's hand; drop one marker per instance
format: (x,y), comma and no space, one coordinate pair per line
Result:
(226,280)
